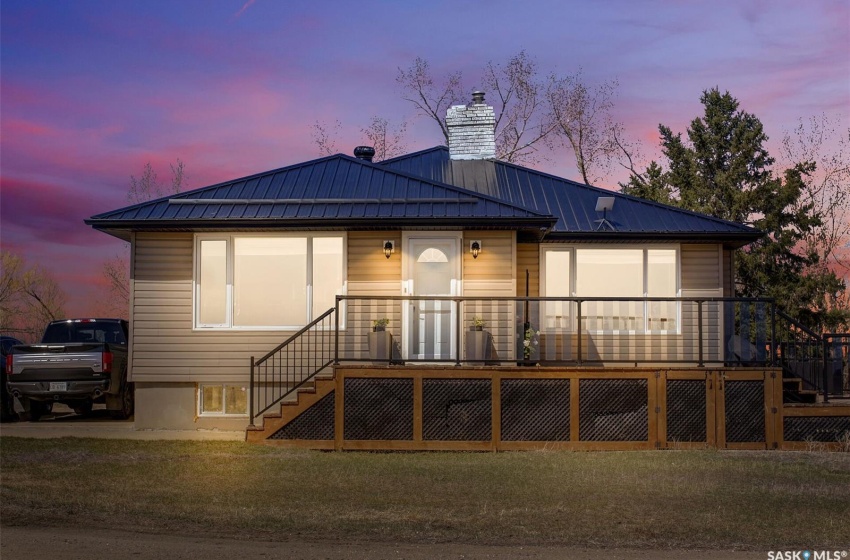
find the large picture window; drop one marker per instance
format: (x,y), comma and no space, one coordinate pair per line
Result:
(627,274)
(266,281)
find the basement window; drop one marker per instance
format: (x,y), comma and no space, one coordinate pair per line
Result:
(222,400)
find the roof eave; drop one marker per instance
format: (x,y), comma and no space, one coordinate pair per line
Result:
(116,227)
(733,240)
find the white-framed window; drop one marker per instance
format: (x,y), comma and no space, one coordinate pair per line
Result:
(266,281)
(222,400)
(611,271)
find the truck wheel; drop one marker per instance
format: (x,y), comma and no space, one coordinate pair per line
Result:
(127,403)
(83,408)
(7,413)
(36,409)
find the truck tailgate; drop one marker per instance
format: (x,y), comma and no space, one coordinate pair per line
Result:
(40,362)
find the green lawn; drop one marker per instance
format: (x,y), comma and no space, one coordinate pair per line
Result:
(775,500)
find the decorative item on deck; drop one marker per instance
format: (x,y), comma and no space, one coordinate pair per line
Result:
(530,342)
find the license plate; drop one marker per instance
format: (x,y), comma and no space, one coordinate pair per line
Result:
(63,386)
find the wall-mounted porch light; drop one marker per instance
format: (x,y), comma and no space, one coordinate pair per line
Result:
(475,248)
(389,248)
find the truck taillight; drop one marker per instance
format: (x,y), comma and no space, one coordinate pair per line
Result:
(9,364)
(107,362)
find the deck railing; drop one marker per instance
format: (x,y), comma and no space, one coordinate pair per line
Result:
(291,364)
(731,331)
(492,331)
(837,362)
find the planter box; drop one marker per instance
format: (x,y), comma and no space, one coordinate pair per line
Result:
(478,345)
(382,347)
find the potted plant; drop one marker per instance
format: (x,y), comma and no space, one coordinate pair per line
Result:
(379,325)
(530,344)
(479,343)
(380,341)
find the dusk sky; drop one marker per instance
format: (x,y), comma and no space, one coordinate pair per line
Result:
(92,90)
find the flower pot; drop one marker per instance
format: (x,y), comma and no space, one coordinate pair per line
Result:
(380,345)
(478,345)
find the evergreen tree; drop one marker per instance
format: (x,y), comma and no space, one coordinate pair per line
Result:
(724,170)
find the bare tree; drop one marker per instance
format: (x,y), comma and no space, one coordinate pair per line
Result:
(147,186)
(583,122)
(31,297)
(826,144)
(431,100)
(116,270)
(324,137)
(387,141)
(11,269)
(520,107)
(517,93)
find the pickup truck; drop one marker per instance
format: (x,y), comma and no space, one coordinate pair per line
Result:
(79,362)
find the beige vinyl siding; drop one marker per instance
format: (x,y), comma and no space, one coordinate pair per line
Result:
(493,273)
(165,348)
(369,270)
(701,277)
(728,273)
(371,274)
(528,258)
(701,269)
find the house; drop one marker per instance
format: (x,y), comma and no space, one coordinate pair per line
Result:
(594,308)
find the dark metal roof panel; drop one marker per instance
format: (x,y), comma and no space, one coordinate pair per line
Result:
(574,204)
(332,188)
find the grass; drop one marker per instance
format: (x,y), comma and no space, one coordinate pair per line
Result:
(704,499)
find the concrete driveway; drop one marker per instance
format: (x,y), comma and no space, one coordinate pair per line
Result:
(62,422)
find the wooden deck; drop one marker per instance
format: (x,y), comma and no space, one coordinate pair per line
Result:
(485,408)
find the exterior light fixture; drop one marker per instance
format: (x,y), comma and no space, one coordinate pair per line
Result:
(475,248)
(389,248)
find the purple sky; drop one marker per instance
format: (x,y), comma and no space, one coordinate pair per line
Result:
(91,90)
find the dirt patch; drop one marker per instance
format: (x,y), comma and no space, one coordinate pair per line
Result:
(49,543)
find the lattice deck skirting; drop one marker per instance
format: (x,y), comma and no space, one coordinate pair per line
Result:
(484,408)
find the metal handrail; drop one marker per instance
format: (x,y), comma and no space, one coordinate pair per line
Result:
(282,366)
(751,322)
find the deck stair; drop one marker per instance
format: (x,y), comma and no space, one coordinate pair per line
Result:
(291,407)
(787,386)
(793,391)
(294,376)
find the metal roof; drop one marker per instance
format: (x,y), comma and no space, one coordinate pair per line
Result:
(332,192)
(573,203)
(425,190)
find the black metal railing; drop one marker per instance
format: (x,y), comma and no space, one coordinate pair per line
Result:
(837,362)
(550,331)
(799,351)
(703,331)
(294,362)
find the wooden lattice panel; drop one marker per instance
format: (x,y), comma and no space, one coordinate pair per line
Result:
(535,409)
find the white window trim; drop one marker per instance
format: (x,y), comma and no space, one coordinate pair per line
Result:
(206,414)
(644,247)
(229,237)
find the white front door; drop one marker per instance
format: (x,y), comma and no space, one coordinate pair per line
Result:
(432,269)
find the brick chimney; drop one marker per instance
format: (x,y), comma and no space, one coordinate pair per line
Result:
(472,129)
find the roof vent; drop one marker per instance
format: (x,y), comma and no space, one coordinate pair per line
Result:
(364,152)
